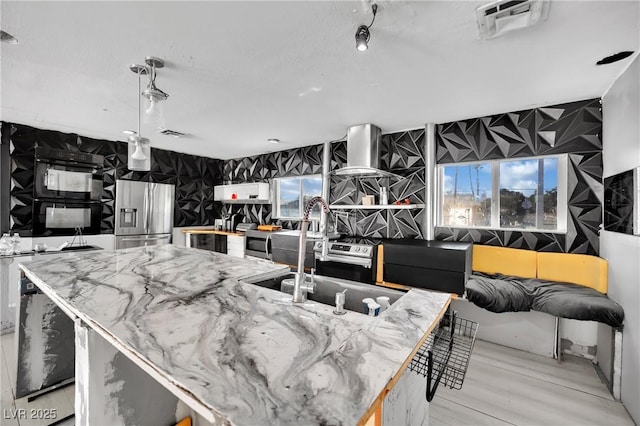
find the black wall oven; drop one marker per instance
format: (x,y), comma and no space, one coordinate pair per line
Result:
(67,192)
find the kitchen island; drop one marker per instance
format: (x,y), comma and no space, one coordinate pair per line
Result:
(220,349)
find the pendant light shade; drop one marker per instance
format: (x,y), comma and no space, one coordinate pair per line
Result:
(139,153)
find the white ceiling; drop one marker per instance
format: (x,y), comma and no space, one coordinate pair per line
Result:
(239,73)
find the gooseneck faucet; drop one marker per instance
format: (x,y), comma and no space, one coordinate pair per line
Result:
(299,292)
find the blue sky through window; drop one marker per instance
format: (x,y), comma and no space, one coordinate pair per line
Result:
(517,175)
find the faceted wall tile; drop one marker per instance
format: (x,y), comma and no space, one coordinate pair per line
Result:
(574,128)
(193,176)
(264,168)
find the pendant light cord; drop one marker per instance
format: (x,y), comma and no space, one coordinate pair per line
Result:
(374,8)
(139,135)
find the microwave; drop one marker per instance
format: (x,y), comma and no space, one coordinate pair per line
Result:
(257,244)
(68,175)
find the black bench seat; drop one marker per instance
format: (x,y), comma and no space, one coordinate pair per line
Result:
(500,293)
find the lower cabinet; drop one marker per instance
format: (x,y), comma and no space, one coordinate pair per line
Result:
(434,265)
(213,242)
(235,245)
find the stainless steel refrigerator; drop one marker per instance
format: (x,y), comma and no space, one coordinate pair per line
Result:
(144,213)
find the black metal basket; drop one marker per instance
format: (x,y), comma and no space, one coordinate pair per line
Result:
(444,356)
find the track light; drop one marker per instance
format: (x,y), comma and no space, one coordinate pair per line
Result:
(363,35)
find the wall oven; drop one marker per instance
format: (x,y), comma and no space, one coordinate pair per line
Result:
(257,244)
(64,217)
(68,175)
(67,192)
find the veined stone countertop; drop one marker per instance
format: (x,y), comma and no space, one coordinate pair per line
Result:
(240,350)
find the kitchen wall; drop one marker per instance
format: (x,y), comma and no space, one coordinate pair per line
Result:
(621,108)
(401,153)
(264,168)
(573,128)
(193,176)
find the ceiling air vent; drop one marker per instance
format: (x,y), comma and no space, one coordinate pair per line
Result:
(497,18)
(173,133)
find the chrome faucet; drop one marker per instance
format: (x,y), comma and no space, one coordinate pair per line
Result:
(299,290)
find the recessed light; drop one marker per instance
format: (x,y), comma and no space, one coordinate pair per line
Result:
(273,140)
(129,132)
(5,37)
(615,57)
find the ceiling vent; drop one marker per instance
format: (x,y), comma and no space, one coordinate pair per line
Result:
(497,18)
(173,133)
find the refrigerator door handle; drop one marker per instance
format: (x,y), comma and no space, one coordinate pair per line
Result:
(150,188)
(145,208)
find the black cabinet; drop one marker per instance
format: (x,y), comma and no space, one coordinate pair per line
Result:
(284,249)
(434,265)
(213,242)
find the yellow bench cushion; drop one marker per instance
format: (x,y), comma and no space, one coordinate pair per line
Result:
(505,261)
(589,271)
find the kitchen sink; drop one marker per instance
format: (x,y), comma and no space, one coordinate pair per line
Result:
(327,287)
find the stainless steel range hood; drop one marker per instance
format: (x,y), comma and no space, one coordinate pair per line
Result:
(363,152)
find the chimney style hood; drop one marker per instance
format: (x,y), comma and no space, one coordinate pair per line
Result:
(363,152)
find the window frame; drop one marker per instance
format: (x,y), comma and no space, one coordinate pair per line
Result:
(276,197)
(562,188)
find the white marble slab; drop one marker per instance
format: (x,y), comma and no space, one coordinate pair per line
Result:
(238,349)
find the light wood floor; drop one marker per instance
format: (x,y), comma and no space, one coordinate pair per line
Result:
(503,387)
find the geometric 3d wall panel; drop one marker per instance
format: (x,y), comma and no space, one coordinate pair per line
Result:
(573,128)
(401,153)
(193,176)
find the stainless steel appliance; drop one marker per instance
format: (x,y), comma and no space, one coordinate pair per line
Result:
(68,175)
(144,213)
(349,261)
(363,152)
(67,192)
(257,243)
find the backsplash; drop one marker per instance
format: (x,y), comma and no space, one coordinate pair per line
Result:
(263,168)
(573,128)
(402,153)
(193,176)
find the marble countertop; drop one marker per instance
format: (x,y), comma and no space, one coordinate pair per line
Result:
(241,351)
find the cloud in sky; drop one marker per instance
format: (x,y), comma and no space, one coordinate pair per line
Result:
(289,189)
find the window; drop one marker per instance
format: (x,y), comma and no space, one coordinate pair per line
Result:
(467,195)
(530,193)
(293,193)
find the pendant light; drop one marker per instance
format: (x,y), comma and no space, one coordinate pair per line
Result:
(139,147)
(153,112)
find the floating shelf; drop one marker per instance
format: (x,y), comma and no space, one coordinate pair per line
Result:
(376,207)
